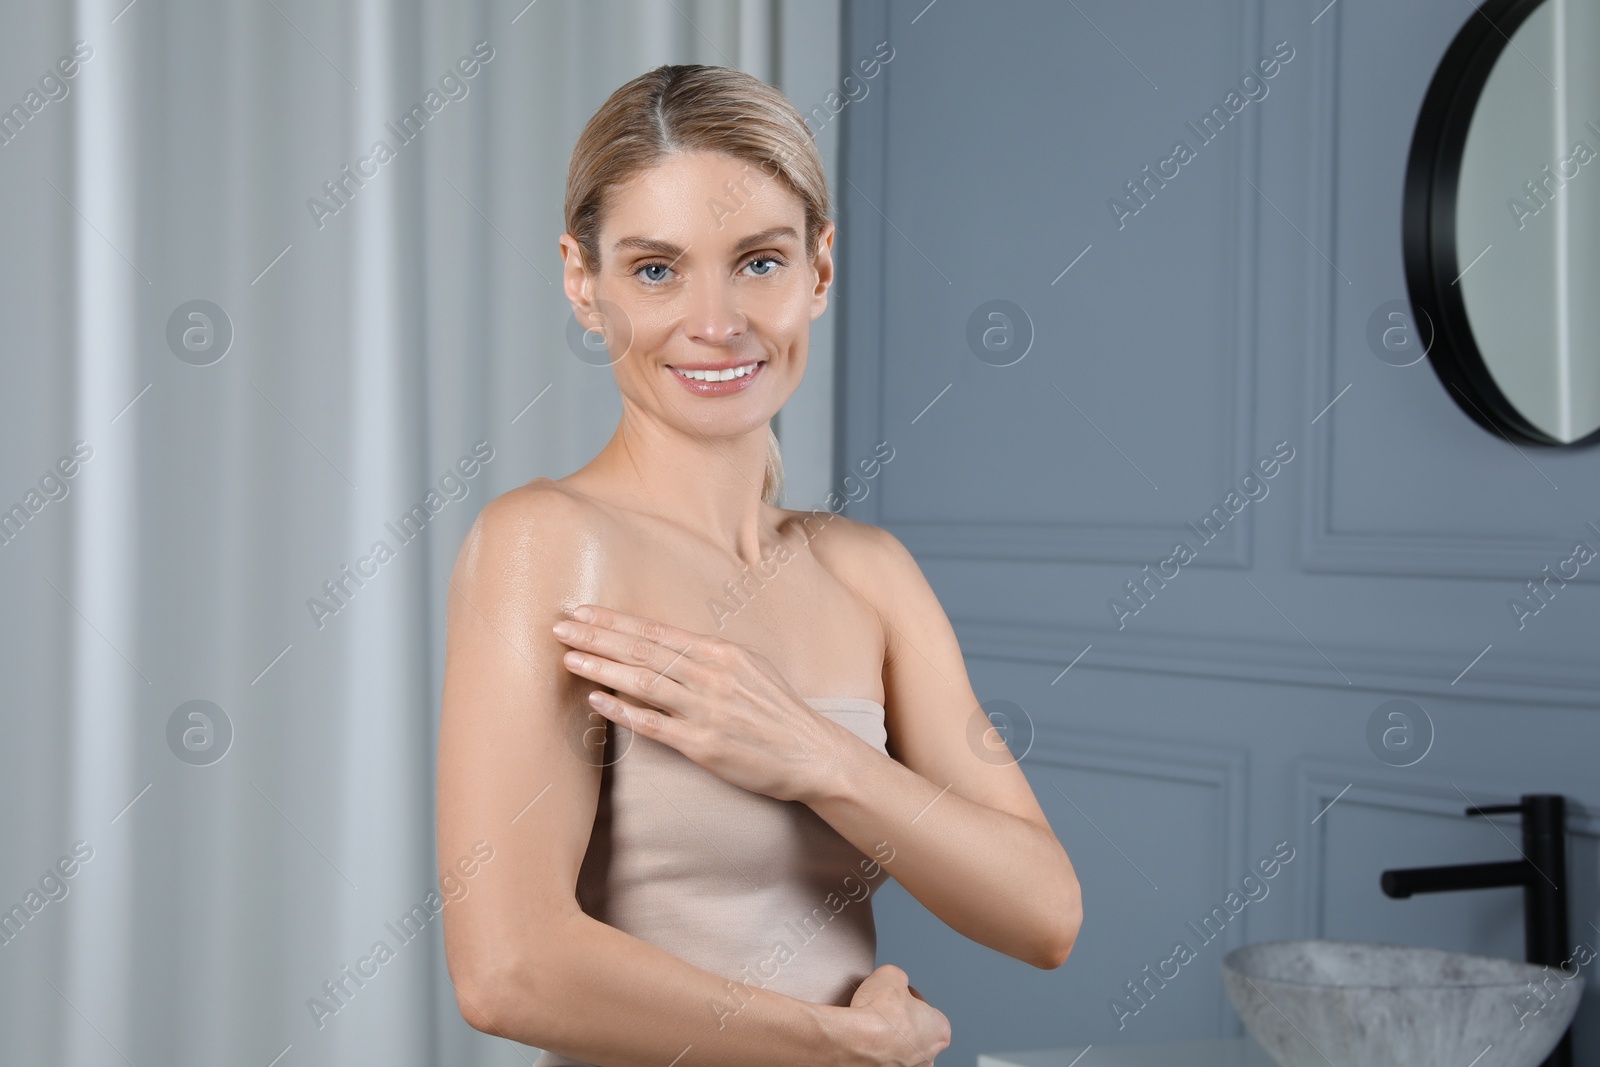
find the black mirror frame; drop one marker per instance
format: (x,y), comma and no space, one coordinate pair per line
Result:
(1428,225)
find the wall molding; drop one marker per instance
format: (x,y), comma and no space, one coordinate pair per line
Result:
(861,386)
(1323,549)
(1415,672)
(1225,769)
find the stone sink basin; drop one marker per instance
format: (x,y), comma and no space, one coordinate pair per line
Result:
(1358,1004)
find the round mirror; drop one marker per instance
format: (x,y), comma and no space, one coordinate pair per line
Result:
(1502,220)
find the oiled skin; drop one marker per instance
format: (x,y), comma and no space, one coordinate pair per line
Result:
(515,724)
(655,525)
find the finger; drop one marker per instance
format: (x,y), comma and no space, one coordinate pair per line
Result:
(618,628)
(647,722)
(620,648)
(634,640)
(642,683)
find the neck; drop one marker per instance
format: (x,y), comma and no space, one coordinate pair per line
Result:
(711,485)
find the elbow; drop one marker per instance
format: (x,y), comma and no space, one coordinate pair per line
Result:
(496,1000)
(1064,934)
(472,1001)
(504,983)
(480,1005)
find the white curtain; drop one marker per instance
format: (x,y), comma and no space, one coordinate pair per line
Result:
(231,367)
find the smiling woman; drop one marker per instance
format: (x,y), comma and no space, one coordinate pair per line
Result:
(671,816)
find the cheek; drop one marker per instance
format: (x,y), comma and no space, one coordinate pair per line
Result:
(652,315)
(788,314)
(788,326)
(651,323)
(643,326)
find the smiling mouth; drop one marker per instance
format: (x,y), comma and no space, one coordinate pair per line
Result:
(722,374)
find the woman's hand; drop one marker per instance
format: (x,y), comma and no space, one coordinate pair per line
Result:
(909,1030)
(719,703)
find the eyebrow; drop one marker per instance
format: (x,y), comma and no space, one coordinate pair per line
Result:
(667,248)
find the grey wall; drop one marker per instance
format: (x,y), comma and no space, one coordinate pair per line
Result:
(1180,348)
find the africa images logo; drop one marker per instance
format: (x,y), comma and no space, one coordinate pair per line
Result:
(454,485)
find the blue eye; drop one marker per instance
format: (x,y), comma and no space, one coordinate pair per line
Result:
(774,260)
(659,279)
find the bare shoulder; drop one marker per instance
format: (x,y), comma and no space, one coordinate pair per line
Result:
(868,558)
(539,508)
(839,541)
(535,522)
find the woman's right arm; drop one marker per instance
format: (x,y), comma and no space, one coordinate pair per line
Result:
(520,761)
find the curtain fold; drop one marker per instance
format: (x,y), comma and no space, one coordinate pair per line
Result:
(284,348)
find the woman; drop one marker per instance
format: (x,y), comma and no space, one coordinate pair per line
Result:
(679,839)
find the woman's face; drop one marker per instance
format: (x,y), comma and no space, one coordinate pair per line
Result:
(702,266)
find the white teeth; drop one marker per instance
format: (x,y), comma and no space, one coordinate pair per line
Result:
(719,376)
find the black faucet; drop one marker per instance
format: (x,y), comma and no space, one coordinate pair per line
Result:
(1542,874)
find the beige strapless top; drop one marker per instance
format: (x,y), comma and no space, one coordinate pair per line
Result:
(760,891)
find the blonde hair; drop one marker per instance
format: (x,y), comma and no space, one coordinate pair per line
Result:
(694,107)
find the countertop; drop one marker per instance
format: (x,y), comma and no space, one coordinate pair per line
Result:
(1204,1052)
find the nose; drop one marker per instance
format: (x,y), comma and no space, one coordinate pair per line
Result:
(713,314)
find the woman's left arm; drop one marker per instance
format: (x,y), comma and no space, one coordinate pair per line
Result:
(969,839)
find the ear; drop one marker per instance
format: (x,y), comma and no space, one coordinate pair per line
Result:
(822,264)
(578,283)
